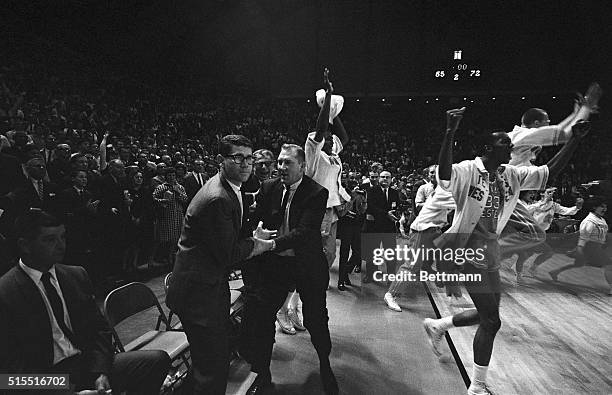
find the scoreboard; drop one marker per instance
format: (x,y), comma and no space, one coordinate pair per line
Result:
(458,70)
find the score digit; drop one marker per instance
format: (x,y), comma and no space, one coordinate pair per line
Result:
(474,73)
(439,73)
(456,77)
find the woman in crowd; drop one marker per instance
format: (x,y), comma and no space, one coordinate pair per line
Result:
(170,198)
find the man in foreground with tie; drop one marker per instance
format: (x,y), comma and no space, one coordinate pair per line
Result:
(294,205)
(51,324)
(212,243)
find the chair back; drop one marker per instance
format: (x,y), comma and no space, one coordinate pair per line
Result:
(167,282)
(128,300)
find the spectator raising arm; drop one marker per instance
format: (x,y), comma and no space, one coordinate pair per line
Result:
(322,120)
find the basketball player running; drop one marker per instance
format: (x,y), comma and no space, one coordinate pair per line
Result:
(485,193)
(523,232)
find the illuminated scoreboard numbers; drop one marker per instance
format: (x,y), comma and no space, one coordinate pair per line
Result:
(458,70)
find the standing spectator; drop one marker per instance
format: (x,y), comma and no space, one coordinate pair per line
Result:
(114,217)
(324,166)
(78,210)
(211,244)
(143,214)
(171,200)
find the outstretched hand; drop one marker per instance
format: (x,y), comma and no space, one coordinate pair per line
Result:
(592,95)
(453,118)
(263,234)
(328,85)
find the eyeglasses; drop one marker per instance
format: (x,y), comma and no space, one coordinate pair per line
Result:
(239,158)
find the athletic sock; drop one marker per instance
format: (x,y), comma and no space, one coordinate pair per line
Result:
(444,323)
(479,376)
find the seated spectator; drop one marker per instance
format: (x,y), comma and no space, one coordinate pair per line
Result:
(70,335)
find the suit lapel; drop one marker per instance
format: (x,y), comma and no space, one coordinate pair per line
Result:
(234,199)
(296,202)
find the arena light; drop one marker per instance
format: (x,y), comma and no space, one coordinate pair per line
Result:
(383,99)
(554,97)
(523,98)
(357,100)
(493,98)
(437,99)
(409,99)
(465,98)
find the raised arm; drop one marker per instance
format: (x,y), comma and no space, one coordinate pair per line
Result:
(340,131)
(445,159)
(558,162)
(585,106)
(323,119)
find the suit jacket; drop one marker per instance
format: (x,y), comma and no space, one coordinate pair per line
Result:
(379,206)
(24,197)
(209,247)
(305,216)
(26,338)
(77,217)
(191,184)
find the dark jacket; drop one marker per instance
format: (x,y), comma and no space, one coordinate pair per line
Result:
(26,339)
(305,216)
(209,247)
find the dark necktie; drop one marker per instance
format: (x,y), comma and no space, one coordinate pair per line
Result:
(285,201)
(56,305)
(41,193)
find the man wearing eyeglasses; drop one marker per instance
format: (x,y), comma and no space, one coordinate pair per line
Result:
(213,241)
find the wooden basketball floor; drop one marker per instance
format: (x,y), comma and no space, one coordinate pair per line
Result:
(556,337)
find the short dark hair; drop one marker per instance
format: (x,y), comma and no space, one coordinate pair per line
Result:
(297,151)
(28,225)
(74,173)
(532,115)
(593,202)
(227,142)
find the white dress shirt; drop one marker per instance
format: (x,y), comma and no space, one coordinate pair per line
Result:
(236,189)
(284,228)
(62,347)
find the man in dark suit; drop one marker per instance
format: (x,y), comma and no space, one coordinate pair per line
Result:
(32,191)
(210,246)
(76,207)
(195,179)
(51,323)
(293,205)
(114,216)
(383,205)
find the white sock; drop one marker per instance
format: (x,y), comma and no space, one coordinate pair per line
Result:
(444,323)
(479,375)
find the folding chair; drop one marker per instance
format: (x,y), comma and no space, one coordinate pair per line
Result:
(133,298)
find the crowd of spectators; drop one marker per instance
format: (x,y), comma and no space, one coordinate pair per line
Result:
(113,158)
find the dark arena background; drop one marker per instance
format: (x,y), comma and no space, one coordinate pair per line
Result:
(92,87)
